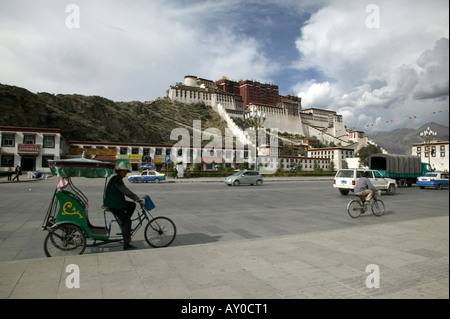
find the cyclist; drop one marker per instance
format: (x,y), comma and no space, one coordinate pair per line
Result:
(121,208)
(365,188)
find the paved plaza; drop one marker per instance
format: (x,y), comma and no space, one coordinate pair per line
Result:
(238,250)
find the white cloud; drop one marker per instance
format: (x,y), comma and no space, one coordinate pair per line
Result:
(125,51)
(433,77)
(134,50)
(378,72)
(317,94)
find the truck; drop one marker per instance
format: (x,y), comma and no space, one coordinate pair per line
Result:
(405,169)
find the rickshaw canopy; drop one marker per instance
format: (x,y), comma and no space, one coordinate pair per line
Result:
(81,167)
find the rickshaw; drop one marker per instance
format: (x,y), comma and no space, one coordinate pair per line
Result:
(67,218)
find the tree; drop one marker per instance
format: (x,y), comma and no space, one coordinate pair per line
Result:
(365,152)
(197,167)
(316,166)
(332,167)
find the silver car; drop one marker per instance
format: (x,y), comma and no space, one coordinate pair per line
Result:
(244,177)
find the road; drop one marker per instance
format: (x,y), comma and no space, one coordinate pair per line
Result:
(210,212)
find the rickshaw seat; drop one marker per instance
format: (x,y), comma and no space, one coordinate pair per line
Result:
(107,209)
(76,198)
(94,229)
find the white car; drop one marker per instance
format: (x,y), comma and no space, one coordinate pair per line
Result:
(433,179)
(346,179)
(147,176)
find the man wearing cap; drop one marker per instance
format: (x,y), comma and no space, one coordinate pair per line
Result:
(115,200)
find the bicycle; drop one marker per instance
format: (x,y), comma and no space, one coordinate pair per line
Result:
(356,207)
(67,219)
(159,232)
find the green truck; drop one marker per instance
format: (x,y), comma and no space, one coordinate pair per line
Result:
(405,169)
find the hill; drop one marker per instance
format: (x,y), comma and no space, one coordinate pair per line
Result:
(94,118)
(400,141)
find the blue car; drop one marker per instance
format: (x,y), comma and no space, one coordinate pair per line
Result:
(147,176)
(433,179)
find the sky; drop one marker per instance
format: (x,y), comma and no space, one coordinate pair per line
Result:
(381,64)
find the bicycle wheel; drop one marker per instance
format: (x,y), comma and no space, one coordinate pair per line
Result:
(160,232)
(65,240)
(378,207)
(354,208)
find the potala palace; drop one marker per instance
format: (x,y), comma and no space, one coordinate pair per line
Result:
(233,99)
(295,127)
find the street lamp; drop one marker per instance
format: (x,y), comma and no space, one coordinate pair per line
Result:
(255,120)
(428,136)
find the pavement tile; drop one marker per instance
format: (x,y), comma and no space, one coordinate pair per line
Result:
(327,264)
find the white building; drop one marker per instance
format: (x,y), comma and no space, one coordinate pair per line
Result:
(307,163)
(287,116)
(30,148)
(337,155)
(329,123)
(437,156)
(197,90)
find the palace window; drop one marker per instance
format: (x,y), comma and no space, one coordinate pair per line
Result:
(7,161)
(8,140)
(49,142)
(29,139)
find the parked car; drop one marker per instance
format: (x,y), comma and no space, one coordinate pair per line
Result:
(345,180)
(147,176)
(433,179)
(244,177)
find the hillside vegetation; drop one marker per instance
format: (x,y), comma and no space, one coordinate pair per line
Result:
(94,118)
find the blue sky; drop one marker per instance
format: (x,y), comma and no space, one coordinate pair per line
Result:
(371,66)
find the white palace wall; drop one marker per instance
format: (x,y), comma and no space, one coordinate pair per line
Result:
(280,119)
(325,125)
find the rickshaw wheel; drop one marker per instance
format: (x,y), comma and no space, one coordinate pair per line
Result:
(65,240)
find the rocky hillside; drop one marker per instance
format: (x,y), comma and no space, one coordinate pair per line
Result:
(400,141)
(93,118)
